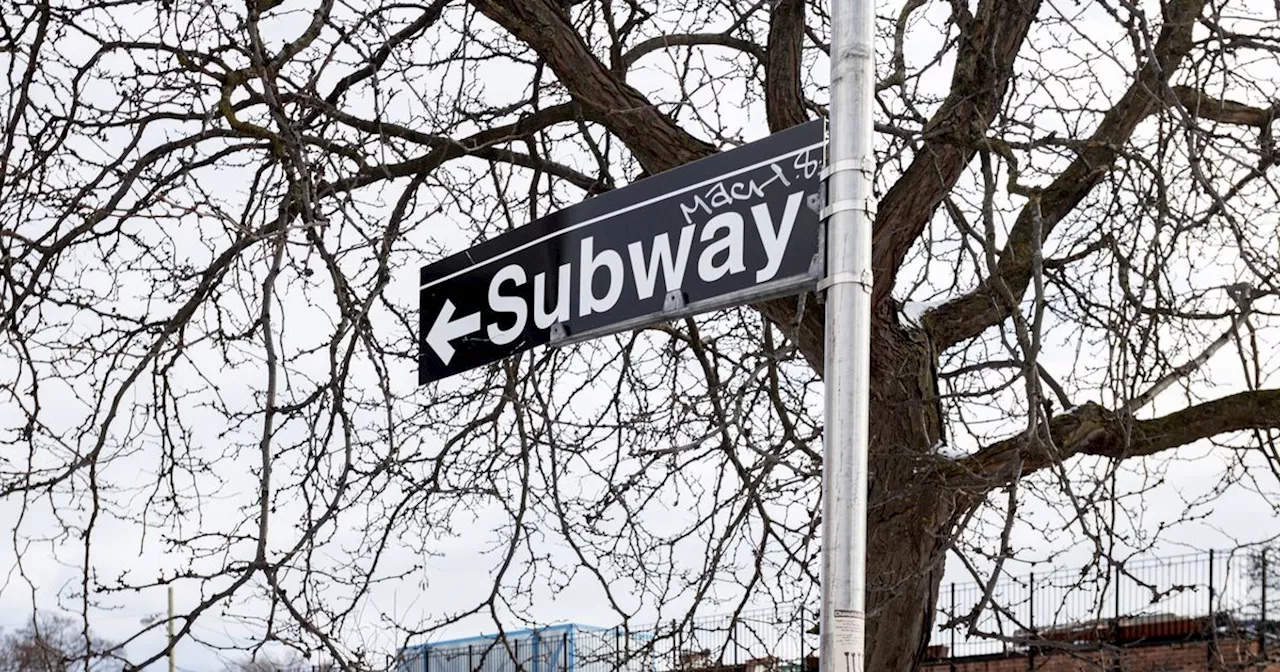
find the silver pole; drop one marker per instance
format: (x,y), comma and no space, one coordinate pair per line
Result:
(849,215)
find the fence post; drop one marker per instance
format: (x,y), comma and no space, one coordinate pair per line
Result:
(1115,589)
(426,659)
(1211,623)
(1262,619)
(564,651)
(802,662)
(675,650)
(952,653)
(1211,590)
(1031,625)
(471,660)
(733,636)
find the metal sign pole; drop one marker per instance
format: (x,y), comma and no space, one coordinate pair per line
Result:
(849,216)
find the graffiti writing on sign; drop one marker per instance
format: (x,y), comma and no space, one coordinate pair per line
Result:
(739,188)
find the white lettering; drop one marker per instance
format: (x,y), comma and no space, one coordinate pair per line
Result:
(505,303)
(541,318)
(775,241)
(724,194)
(708,269)
(777,175)
(611,261)
(805,162)
(672,269)
(741,190)
(698,204)
(718,196)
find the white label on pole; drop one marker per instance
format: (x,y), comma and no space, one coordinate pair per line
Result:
(847,644)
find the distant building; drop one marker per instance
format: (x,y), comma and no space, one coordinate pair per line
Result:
(570,647)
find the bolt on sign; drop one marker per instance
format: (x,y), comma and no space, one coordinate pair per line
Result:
(736,227)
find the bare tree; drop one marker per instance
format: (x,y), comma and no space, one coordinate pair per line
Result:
(53,643)
(206,208)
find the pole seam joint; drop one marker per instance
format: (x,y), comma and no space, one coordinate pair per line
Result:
(867,205)
(863,280)
(865,165)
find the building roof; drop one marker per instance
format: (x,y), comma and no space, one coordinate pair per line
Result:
(510,634)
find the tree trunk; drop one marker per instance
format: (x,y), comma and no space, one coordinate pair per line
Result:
(911,512)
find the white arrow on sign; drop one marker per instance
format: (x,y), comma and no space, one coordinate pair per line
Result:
(446,329)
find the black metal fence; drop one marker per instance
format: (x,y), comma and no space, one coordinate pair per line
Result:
(773,638)
(1214,593)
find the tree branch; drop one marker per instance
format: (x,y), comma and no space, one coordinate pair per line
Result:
(481,144)
(1188,367)
(429,16)
(1204,106)
(657,142)
(984,66)
(784,106)
(1093,430)
(967,316)
(784,101)
(692,40)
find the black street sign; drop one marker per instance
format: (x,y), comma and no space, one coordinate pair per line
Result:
(736,227)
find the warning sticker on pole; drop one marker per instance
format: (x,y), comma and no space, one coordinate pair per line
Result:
(847,640)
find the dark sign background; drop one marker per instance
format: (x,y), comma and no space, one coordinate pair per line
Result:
(784,163)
